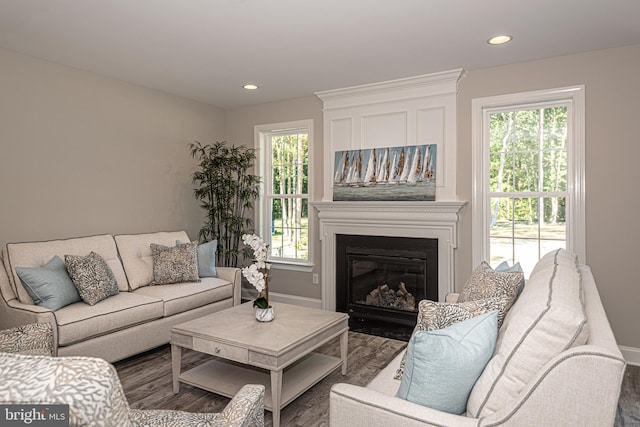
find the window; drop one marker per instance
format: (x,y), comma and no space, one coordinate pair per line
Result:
(284,205)
(528,176)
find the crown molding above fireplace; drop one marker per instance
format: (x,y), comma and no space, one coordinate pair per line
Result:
(437,220)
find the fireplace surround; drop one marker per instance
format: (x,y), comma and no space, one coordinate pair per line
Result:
(429,220)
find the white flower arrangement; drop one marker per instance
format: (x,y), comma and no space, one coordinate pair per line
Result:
(258,273)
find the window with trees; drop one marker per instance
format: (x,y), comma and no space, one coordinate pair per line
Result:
(529,176)
(284,207)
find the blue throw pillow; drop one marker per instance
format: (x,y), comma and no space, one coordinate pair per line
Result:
(206,258)
(442,366)
(49,286)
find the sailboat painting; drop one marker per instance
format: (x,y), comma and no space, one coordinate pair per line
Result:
(393,173)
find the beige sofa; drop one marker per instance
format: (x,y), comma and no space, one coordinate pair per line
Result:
(136,319)
(577,386)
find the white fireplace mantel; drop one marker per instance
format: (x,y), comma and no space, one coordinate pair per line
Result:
(436,220)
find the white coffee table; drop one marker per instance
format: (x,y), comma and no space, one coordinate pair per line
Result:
(277,354)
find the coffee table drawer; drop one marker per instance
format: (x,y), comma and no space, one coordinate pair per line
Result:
(225,351)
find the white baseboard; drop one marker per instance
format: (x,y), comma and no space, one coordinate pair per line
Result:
(631,355)
(287,299)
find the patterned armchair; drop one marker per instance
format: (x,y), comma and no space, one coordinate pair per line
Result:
(92,389)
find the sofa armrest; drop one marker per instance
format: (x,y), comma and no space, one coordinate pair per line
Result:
(579,387)
(90,386)
(246,409)
(354,406)
(14,313)
(232,274)
(169,417)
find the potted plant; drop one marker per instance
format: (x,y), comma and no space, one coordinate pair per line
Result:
(258,275)
(226,191)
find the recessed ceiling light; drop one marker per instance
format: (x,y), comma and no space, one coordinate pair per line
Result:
(250,86)
(501,39)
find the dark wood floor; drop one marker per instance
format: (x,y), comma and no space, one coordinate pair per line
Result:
(146,379)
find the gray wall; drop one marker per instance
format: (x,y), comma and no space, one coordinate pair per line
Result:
(240,131)
(81,154)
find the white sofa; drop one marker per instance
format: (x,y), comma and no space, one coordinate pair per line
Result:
(136,319)
(578,386)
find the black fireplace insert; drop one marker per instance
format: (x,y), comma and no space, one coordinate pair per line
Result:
(380,281)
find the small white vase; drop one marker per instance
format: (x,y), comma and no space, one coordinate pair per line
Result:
(265,314)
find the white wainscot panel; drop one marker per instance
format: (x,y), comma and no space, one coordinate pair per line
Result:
(341,134)
(384,130)
(430,124)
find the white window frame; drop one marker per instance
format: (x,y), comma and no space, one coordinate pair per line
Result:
(481,211)
(265,170)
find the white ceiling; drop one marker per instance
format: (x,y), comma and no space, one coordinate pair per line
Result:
(206,49)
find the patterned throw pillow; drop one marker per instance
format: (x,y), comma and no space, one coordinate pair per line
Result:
(487,283)
(92,277)
(177,264)
(439,315)
(504,267)
(206,258)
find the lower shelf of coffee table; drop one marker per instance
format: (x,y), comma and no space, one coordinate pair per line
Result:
(226,378)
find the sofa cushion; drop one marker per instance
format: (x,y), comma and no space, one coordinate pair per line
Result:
(385,381)
(181,297)
(442,366)
(79,321)
(92,277)
(50,285)
(484,282)
(176,264)
(37,254)
(135,251)
(547,319)
(434,315)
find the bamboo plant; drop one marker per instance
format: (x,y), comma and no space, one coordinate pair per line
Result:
(226,191)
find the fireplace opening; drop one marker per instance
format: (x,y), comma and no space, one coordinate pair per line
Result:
(380,281)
